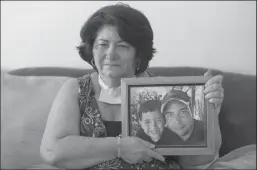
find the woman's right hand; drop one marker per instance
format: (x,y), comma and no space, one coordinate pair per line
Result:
(135,150)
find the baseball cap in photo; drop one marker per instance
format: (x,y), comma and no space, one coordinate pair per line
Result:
(177,95)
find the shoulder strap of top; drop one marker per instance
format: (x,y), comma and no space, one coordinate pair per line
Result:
(84,90)
(150,75)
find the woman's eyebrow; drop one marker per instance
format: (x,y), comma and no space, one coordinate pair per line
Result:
(101,39)
(121,41)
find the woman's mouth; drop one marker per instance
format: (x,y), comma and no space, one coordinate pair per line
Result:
(112,65)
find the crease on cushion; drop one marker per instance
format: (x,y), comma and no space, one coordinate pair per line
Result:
(241,158)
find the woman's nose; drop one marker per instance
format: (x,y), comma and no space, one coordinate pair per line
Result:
(111,53)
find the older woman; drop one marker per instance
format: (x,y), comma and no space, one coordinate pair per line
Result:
(84,125)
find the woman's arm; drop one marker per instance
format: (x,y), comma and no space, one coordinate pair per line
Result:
(62,146)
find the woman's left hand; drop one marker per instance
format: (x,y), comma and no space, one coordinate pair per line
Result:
(214,91)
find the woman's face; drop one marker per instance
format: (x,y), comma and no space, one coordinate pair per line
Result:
(113,56)
(178,118)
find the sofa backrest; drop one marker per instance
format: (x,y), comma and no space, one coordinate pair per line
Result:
(238,112)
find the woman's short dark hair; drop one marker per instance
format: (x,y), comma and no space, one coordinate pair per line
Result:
(132,25)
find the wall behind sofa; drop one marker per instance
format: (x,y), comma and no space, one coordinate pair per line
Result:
(220,35)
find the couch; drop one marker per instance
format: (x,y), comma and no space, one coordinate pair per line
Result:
(27,95)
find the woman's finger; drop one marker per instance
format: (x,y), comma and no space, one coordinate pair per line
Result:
(208,73)
(213,87)
(214,80)
(148,159)
(216,94)
(153,154)
(147,144)
(216,101)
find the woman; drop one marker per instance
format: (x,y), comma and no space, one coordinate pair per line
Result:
(85,118)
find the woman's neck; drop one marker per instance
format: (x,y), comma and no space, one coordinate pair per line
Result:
(115,82)
(111,82)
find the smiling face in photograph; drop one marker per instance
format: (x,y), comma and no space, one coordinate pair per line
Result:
(152,123)
(113,56)
(178,117)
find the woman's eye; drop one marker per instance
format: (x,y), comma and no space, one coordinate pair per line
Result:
(103,45)
(122,45)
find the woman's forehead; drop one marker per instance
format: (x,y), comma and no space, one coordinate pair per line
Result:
(108,33)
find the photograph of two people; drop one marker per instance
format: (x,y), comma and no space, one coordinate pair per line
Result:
(169,115)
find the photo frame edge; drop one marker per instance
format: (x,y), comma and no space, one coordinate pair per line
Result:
(124,108)
(166,80)
(126,82)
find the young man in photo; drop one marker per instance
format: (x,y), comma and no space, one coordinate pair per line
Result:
(179,119)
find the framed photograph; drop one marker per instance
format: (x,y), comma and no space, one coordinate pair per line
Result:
(170,112)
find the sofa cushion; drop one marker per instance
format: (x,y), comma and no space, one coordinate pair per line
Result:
(76,72)
(25,105)
(238,114)
(50,71)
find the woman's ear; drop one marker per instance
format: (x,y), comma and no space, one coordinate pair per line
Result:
(137,64)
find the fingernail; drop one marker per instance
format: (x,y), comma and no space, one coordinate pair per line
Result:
(214,106)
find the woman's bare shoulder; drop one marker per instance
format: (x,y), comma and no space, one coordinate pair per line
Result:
(71,82)
(70,86)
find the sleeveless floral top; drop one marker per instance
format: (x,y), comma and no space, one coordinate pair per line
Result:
(92,125)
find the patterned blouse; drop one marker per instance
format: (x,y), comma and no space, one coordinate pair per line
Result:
(92,125)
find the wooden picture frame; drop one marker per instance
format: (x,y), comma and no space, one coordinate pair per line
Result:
(130,92)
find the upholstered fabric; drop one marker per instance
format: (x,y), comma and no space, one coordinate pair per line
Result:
(25,105)
(240,158)
(50,71)
(238,114)
(27,98)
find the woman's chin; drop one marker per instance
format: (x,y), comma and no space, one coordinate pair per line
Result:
(113,73)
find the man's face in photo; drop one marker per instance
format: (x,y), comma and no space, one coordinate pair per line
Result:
(178,117)
(152,123)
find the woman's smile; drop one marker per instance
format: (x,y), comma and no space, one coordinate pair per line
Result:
(111,65)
